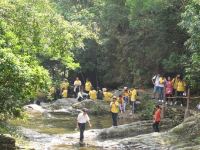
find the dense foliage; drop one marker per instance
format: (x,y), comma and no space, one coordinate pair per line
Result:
(137,39)
(191,22)
(34,41)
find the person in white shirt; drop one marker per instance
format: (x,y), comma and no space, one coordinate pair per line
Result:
(82,119)
(155,81)
(81,96)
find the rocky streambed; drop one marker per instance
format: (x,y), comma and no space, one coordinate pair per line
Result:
(51,127)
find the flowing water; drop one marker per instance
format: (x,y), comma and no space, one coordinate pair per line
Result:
(61,124)
(50,127)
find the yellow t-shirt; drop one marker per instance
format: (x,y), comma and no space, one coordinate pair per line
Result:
(126,93)
(181,86)
(93,94)
(107,96)
(64,85)
(64,93)
(161,80)
(175,83)
(133,95)
(88,86)
(77,83)
(114,107)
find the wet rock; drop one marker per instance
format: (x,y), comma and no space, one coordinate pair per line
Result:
(34,108)
(7,142)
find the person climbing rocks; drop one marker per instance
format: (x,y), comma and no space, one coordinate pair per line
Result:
(81,95)
(82,119)
(114,108)
(88,86)
(93,94)
(77,86)
(156,118)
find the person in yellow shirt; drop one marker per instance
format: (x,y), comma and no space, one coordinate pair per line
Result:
(88,86)
(65,93)
(181,87)
(93,94)
(175,84)
(77,86)
(64,86)
(114,108)
(161,85)
(107,96)
(133,93)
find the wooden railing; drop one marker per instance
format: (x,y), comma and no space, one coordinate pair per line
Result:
(188,98)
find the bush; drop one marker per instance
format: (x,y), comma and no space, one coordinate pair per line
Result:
(146,108)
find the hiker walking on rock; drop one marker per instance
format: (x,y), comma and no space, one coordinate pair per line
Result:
(82,119)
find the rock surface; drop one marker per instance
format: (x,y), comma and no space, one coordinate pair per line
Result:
(132,129)
(34,108)
(95,107)
(7,142)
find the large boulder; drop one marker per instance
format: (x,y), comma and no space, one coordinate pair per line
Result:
(95,107)
(132,129)
(182,137)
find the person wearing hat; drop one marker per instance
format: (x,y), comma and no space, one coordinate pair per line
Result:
(114,108)
(82,119)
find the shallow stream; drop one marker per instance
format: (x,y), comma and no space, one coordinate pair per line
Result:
(42,129)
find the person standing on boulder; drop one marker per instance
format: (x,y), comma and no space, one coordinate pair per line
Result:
(82,119)
(156,118)
(114,108)
(77,86)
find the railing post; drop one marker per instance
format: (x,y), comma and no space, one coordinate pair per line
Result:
(188,103)
(163,104)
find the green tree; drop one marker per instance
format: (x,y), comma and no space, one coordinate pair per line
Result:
(191,23)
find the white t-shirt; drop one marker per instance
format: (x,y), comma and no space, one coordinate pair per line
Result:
(156,78)
(82,118)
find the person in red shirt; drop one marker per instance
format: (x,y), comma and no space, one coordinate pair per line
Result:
(156,118)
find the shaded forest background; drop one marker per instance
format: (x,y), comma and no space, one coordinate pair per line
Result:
(112,42)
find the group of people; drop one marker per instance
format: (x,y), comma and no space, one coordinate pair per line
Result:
(83,118)
(118,104)
(168,87)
